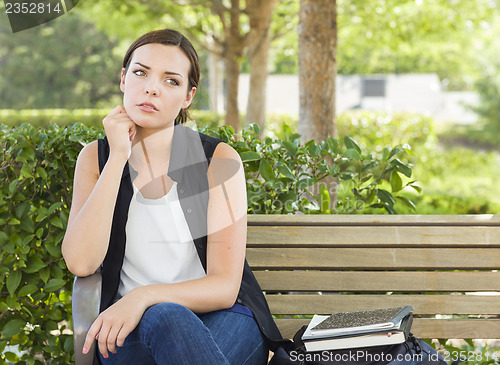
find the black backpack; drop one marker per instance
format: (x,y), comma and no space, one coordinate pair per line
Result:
(411,352)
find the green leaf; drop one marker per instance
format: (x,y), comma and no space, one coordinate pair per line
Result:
(324,199)
(27,153)
(42,214)
(12,357)
(352,144)
(55,221)
(54,207)
(401,167)
(385,197)
(287,199)
(13,281)
(390,209)
(250,156)
(44,274)
(22,209)
(290,147)
(396,182)
(26,172)
(407,202)
(27,289)
(14,222)
(13,327)
(394,152)
(27,225)
(54,250)
(68,344)
(354,154)
(313,149)
(266,170)
(417,188)
(34,265)
(285,171)
(333,144)
(54,284)
(42,173)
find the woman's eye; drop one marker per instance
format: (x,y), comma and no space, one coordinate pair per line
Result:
(139,72)
(172,82)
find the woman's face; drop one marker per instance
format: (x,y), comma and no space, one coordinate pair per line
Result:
(155,85)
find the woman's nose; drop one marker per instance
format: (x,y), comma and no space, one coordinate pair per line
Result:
(152,89)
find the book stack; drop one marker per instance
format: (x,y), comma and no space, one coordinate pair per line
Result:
(358,329)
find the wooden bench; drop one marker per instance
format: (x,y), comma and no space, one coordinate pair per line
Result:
(444,266)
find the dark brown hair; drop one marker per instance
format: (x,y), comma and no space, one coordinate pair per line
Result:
(169,37)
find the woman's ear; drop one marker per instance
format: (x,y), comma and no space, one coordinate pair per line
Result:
(122,80)
(189,98)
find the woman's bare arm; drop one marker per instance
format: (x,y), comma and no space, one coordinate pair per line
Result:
(89,224)
(94,196)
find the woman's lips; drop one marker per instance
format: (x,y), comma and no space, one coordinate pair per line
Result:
(147,107)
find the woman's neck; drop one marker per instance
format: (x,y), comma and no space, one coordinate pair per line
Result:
(152,148)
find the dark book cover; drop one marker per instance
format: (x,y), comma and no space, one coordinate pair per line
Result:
(378,318)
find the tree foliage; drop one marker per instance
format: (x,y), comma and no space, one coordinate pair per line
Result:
(408,36)
(54,66)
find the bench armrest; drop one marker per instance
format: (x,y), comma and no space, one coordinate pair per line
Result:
(86,300)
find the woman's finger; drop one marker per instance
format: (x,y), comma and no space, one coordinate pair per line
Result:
(122,335)
(111,341)
(102,340)
(91,335)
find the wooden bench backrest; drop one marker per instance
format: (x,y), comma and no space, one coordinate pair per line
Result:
(444,266)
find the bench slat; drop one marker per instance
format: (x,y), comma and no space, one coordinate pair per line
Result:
(374,220)
(374,258)
(280,236)
(375,281)
(422,304)
(424,328)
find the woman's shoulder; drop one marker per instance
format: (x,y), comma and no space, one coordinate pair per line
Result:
(88,157)
(89,150)
(223,150)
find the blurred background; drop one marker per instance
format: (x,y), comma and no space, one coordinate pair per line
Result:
(417,72)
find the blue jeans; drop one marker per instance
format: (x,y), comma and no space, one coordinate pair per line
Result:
(169,333)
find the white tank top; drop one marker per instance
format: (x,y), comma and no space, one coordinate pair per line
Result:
(159,246)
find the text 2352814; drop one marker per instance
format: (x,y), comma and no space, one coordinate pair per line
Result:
(32,8)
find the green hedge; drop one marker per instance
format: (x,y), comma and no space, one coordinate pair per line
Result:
(36,170)
(36,173)
(89,117)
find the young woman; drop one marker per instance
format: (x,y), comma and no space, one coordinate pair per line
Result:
(161,210)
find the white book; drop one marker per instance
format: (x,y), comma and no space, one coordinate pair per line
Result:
(346,323)
(357,339)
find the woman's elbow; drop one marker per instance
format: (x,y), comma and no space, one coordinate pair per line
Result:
(80,269)
(230,296)
(77,266)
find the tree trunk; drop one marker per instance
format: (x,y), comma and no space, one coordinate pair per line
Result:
(232,81)
(215,85)
(317,73)
(317,68)
(259,40)
(234,51)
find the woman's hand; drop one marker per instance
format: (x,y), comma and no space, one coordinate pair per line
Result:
(115,323)
(120,130)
